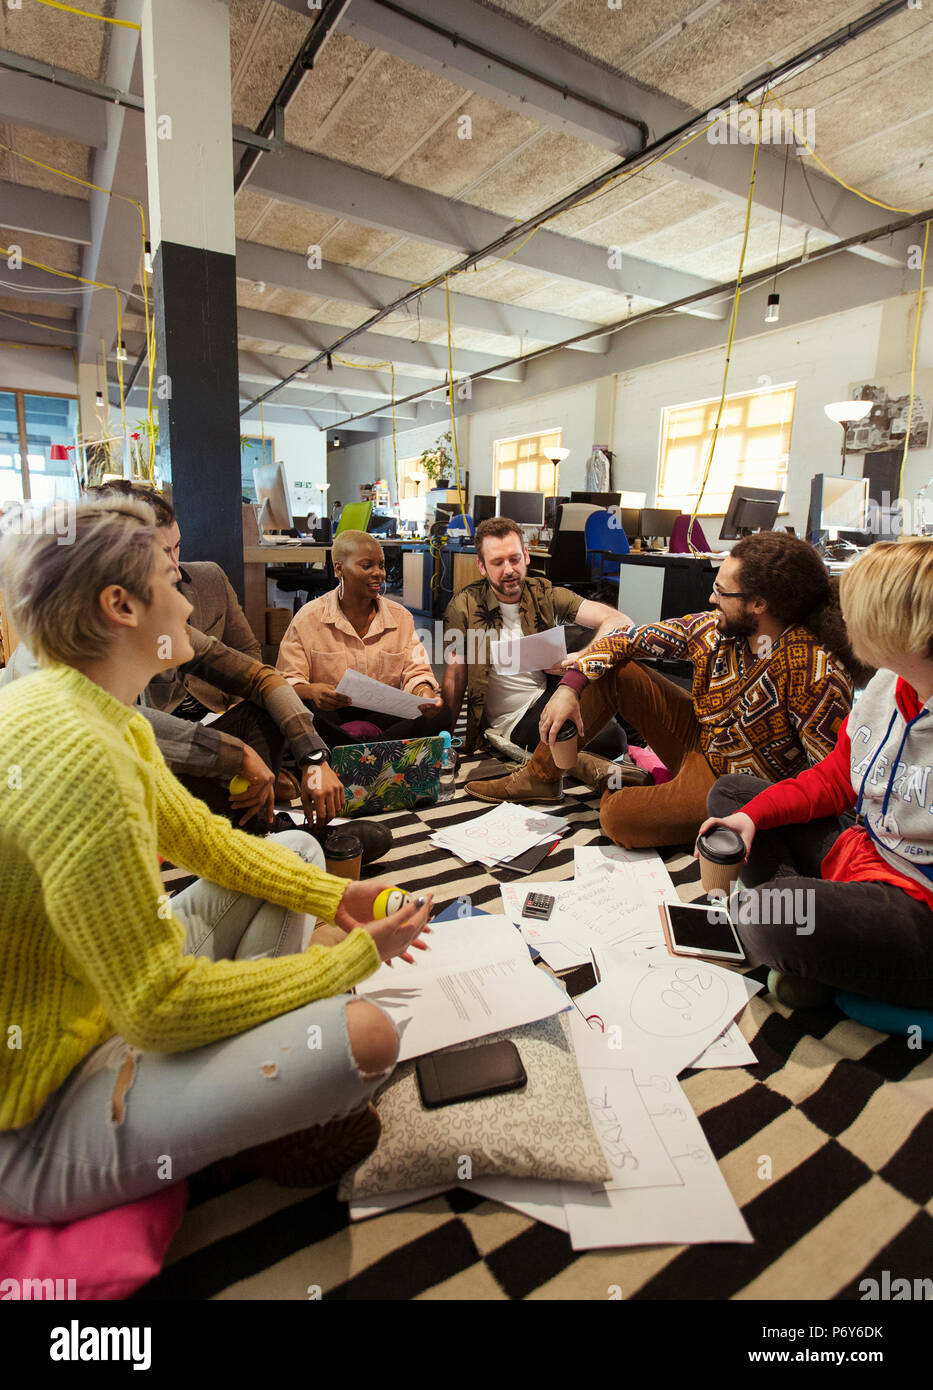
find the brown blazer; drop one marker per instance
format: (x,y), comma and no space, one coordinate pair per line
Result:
(217,613)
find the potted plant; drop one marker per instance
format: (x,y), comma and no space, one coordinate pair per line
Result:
(437,461)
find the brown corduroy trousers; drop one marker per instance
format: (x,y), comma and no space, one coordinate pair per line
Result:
(662,712)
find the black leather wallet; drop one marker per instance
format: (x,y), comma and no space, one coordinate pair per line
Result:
(444,1078)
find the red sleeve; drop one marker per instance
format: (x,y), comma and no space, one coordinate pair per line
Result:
(824,790)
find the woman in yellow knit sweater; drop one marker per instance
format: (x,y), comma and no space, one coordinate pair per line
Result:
(144,1039)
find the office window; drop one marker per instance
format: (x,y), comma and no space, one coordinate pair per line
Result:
(252,454)
(520,465)
(753,447)
(41,428)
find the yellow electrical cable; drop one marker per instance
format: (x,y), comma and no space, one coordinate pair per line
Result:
(733,319)
(88,14)
(450,393)
(913,355)
(876,202)
(120,365)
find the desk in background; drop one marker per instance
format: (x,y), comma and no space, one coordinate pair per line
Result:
(654,585)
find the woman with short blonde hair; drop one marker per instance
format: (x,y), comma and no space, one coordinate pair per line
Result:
(861,893)
(196,1028)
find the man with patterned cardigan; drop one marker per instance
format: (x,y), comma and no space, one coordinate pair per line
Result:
(772,685)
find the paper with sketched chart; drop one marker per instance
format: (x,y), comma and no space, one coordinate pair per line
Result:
(730,1049)
(642,871)
(661,1011)
(586,912)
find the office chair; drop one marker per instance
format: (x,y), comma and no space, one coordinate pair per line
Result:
(568,564)
(677,545)
(355,517)
(604,539)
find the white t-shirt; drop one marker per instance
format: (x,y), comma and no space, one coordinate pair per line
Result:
(508,697)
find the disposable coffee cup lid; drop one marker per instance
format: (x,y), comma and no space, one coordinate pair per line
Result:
(568,730)
(721,845)
(342,844)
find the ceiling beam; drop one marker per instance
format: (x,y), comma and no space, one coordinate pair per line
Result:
(254,367)
(28,100)
(340,404)
(342,190)
(294,415)
(510,48)
(316,337)
(288,271)
(516,66)
(41,331)
(36,211)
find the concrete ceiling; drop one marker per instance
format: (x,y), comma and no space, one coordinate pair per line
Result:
(404,152)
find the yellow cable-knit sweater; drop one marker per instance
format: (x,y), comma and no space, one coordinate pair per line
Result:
(88,944)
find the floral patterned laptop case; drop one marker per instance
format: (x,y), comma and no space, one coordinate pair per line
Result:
(391,776)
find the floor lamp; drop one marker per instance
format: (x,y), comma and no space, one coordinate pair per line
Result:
(556,456)
(846,413)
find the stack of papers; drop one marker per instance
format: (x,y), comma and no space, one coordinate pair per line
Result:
(501,835)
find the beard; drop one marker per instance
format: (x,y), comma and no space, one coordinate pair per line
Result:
(508,594)
(743,626)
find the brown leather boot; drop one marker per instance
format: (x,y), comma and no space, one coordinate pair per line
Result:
(525,785)
(603,775)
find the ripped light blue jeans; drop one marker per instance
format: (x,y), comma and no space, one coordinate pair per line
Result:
(124,1123)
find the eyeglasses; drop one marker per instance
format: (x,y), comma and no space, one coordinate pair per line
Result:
(728,593)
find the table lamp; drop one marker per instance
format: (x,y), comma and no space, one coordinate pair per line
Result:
(556,457)
(845,413)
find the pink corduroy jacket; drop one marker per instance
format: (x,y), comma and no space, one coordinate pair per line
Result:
(321,643)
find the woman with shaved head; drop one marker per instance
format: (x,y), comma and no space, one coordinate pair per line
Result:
(355,627)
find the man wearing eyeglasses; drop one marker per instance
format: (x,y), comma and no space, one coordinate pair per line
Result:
(772,684)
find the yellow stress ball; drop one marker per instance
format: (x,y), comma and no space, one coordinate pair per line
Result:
(388,901)
(238,785)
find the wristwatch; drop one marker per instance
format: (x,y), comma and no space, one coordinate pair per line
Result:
(315,759)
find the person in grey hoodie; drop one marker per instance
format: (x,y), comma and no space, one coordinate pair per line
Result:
(851,906)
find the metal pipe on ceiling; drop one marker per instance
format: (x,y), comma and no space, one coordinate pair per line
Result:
(811,54)
(749,281)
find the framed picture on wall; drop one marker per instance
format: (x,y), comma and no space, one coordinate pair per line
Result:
(891,408)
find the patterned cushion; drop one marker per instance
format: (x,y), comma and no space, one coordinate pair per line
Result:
(541,1131)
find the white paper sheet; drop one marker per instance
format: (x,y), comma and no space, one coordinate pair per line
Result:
(367,693)
(436,1003)
(730,1049)
(539,1198)
(657,1010)
(683,1197)
(457,944)
(501,835)
(642,871)
(538,651)
(588,911)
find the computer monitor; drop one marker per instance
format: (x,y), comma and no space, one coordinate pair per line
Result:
(524,508)
(657,521)
(484,507)
(598,499)
(635,500)
(741,495)
(382,525)
(752,514)
(551,508)
(629,520)
(275,513)
(412,509)
(844,504)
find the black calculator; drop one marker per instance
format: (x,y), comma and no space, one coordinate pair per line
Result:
(538,905)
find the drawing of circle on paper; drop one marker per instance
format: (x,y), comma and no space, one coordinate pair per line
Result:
(677,1002)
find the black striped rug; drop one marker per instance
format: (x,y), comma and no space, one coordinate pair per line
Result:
(825,1144)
